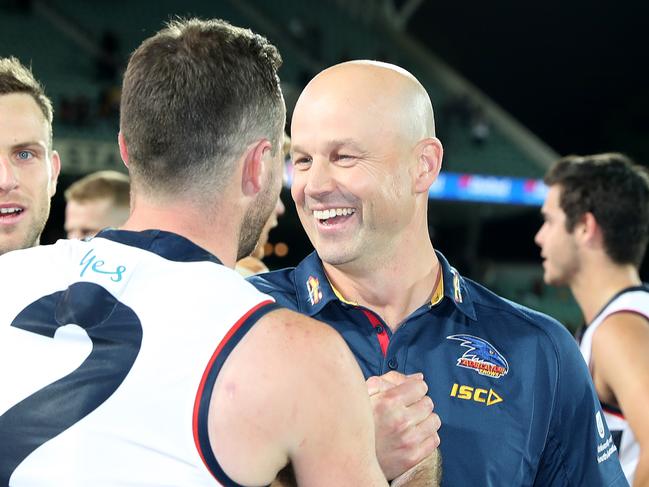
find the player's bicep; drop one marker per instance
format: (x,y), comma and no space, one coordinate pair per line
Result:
(335,444)
(621,360)
(248,419)
(292,391)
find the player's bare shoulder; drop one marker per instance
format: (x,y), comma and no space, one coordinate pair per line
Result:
(279,397)
(620,334)
(303,334)
(287,350)
(254,402)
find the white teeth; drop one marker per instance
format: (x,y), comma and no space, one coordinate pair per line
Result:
(7,211)
(332,212)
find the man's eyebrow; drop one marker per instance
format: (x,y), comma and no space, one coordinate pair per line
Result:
(31,143)
(332,144)
(344,142)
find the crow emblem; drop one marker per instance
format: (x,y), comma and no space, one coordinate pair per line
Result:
(481,356)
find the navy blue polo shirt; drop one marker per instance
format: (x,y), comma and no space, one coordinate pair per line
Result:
(512,390)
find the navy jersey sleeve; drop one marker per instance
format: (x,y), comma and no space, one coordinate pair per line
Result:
(579,449)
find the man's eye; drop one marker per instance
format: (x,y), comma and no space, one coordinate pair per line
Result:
(24,155)
(344,158)
(301,161)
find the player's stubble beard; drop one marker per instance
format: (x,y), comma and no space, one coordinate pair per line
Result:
(256,217)
(32,234)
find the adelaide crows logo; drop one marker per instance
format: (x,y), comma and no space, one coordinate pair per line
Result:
(481,356)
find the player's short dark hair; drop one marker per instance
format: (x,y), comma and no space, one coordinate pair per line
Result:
(616,191)
(100,185)
(194,96)
(16,78)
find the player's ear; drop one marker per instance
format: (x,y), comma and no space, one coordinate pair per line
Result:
(429,154)
(588,230)
(254,166)
(55,168)
(123,150)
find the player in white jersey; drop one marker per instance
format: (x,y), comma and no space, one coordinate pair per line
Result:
(139,357)
(630,300)
(120,383)
(593,239)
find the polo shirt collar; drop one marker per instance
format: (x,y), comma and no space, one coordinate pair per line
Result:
(312,287)
(455,288)
(314,291)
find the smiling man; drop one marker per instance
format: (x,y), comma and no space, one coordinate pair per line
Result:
(29,167)
(516,403)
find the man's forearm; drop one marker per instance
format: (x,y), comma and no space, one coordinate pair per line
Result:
(426,473)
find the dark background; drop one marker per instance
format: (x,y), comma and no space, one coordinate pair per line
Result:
(574,72)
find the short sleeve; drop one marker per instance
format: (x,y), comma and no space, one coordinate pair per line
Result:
(579,449)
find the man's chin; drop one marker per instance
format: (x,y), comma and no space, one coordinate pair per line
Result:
(334,257)
(556,281)
(11,244)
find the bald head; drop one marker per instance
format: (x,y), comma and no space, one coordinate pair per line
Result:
(364,156)
(386,94)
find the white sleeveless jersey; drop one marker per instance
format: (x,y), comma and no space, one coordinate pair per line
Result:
(109,350)
(634,300)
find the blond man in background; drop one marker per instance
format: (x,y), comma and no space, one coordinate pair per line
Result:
(97,201)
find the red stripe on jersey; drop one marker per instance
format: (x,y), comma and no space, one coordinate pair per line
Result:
(383,338)
(201,387)
(612,412)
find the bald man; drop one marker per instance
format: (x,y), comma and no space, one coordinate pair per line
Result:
(514,396)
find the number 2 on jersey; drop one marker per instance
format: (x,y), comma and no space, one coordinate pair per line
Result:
(116,334)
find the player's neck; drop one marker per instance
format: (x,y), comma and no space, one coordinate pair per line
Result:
(197,225)
(394,288)
(597,282)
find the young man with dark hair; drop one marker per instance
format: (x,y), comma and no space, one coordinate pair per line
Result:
(29,168)
(96,201)
(593,239)
(140,357)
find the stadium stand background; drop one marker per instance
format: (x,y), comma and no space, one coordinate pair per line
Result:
(78,49)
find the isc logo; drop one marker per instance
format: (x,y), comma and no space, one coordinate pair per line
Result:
(476,394)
